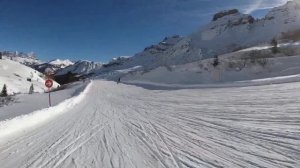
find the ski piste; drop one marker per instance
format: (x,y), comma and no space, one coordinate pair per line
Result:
(117,125)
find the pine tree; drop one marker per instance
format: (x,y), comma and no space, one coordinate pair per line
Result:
(4,91)
(31,89)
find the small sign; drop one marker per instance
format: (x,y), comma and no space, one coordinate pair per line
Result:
(48,83)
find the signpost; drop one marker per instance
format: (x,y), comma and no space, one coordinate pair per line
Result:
(49,84)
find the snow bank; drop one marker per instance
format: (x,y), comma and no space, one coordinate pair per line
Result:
(246,83)
(27,103)
(22,123)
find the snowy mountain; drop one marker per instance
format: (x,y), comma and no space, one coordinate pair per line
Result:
(152,56)
(228,31)
(232,30)
(61,63)
(18,77)
(248,64)
(54,65)
(28,59)
(80,68)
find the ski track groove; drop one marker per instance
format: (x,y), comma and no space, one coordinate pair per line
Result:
(175,159)
(156,154)
(123,126)
(67,154)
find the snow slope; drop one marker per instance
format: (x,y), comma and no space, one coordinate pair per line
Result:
(236,66)
(131,127)
(28,59)
(27,103)
(166,52)
(15,76)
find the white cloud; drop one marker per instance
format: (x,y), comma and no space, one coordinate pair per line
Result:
(263,4)
(253,7)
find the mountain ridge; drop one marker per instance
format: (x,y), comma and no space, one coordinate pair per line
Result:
(229,30)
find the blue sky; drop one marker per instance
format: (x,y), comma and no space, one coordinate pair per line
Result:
(99,30)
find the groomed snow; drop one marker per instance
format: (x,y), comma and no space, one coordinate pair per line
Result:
(117,125)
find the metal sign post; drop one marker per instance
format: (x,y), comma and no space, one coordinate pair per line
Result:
(49,97)
(49,84)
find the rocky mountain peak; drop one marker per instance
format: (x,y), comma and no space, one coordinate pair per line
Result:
(225,13)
